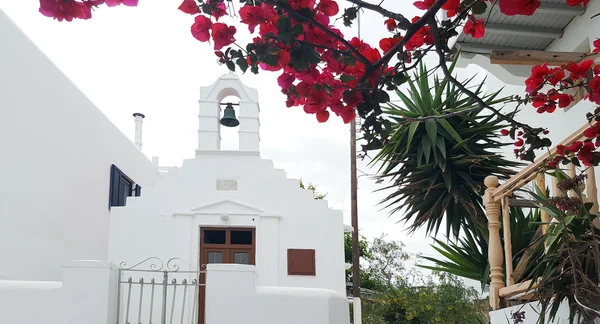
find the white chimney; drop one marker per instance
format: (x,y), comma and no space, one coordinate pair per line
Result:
(139,119)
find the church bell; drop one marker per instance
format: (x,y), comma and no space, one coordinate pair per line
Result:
(229,119)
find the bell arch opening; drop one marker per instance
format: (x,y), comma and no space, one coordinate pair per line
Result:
(230,137)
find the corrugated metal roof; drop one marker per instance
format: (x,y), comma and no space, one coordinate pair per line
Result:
(535,32)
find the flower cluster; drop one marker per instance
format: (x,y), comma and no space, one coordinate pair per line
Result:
(72,9)
(559,81)
(584,151)
(574,183)
(567,204)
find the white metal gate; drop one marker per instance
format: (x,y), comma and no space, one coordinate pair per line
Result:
(154,292)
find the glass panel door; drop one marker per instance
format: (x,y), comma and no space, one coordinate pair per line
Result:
(241,256)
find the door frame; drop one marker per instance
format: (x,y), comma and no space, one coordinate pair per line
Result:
(228,249)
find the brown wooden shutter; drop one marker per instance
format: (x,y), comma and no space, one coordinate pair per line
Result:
(301,262)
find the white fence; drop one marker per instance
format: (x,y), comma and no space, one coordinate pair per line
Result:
(97,292)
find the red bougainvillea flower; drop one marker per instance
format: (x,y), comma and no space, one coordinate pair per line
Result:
(67,9)
(217,8)
(577,2)
(518,7)
(504,132)
(222,35)
(579,70)
(424,5)
(474,27)
(201,28)
(564,100)
(352,97)
(252,16)
(592,132)
(556,75)
(113,3)
(387,43)
(316,101)
(328,7)
(322,116)
(451,7)
(537,78)
(519,142)
(586,153)
(390,24)
(421,37)
(299,4)
(597,45)
(189,7)
(286,80)
(594,94)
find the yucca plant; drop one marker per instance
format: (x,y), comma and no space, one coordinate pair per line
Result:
(437,165)
(468,258)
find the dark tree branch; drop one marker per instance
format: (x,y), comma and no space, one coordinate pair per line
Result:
(402,22)
(410,32)
(480,103)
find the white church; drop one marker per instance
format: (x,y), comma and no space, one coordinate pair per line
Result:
(94,232)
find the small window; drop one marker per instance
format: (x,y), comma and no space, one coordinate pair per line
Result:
(214,237)
(301,262)
(241,237)
(121,187)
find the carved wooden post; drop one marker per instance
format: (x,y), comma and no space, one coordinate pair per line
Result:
(541,183)
(492,210)
(592,194)
(571,172)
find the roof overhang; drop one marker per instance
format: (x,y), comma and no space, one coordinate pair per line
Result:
(512,44)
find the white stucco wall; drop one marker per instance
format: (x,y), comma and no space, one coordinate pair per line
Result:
(165,222)
(86,294)
(233,297)
(57,149)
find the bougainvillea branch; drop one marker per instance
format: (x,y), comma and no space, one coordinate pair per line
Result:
(325,72)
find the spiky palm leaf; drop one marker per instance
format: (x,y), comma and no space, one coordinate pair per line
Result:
(468,258)
(437,166)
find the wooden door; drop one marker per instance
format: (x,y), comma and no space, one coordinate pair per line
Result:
(223,245)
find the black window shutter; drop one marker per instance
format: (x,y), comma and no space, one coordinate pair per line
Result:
(115,184)
(138,190)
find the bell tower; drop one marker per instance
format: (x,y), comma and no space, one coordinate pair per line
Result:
(211,118)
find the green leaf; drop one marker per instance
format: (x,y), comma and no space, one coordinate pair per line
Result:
(431,128)
(426,148)
(479,8)
(242,63)
(230,66)
(446,125)
(400,78)
(411,133)
(346,78)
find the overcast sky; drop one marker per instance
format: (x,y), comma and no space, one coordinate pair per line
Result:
(145,60)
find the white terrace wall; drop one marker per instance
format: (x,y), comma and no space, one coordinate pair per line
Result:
(530,314)
(87,294)
(57,150)
(233,297)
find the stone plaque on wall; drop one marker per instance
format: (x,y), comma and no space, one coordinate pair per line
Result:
(227,185)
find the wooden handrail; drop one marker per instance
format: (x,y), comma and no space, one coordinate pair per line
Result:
(531,171)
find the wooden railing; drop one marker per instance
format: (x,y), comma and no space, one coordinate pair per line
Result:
(496,201)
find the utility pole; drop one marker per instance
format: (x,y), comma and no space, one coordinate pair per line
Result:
(356,305)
